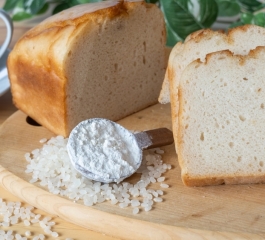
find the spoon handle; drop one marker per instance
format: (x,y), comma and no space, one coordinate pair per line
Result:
(154,138)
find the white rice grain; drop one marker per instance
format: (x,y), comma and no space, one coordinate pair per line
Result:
(136,210)
(161,179)
(158,199)
(26,223)
(148,208)
(135,203)
(54,234)
(160,151)
(43,140)
(160,192)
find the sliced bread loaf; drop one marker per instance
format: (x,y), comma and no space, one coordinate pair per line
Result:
(239,40)
(104,59)
(221,135)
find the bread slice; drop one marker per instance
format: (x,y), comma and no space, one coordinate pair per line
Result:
(238,40)
(104,59)
(221,137)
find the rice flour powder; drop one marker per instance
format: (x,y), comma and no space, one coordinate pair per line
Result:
(105,149)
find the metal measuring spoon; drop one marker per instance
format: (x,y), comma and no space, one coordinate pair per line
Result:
(86,146)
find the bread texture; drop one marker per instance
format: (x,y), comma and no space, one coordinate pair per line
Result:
(221,135)
(104,59)
(239,40)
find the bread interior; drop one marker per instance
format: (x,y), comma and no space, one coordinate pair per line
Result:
(116,68)
(221,118)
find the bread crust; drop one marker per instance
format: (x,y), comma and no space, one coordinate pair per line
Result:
(228,180)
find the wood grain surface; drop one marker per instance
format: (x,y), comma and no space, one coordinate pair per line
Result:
(6,106)
(221,212)
(224,212)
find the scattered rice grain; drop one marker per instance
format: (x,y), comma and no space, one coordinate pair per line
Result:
(160,192)
(43,140)
(160,151)
(158,199)
(161,179)
(136,210)
(148,208)
(54,234)
(26,223)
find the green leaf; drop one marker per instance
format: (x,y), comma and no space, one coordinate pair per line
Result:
(60,7)
(88,1)
(236,24)
(152,1)
(259,19)
(246,18)
(21,16)
(43,9)
(250,5)
(250,18)
(73,2)
(208,12)
(172,37)
(10,4)
(19,12)
(33,6)
(228,8)
(187,16)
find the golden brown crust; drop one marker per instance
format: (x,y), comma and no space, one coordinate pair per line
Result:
(208,33)
(178,131)
(35,76)
(227,53)
(26,91)
(229,180)
(243,28)
(120,9)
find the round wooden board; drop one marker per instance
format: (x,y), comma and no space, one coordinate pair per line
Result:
(219,212)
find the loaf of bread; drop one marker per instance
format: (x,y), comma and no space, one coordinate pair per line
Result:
(104,59)
(221,137)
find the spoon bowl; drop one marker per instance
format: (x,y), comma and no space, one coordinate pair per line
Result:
(87,147)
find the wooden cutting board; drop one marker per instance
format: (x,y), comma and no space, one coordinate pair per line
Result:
(219,212)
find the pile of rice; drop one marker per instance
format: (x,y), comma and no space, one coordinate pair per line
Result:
(14,212)
(51,167)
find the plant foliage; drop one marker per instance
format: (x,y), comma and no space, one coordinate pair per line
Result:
(182,17)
